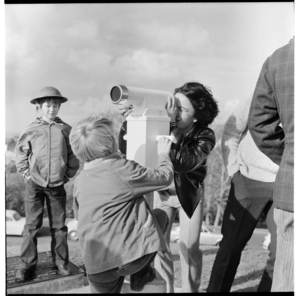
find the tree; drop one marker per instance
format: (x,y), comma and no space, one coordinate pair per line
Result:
(14,192)
(217,184)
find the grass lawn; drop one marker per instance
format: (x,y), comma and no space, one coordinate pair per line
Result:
(248,275)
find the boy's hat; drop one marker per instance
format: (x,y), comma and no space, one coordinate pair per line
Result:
(49,92)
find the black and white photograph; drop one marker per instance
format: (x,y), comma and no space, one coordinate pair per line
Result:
(149,147)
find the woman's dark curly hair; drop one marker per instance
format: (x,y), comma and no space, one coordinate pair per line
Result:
(206,107)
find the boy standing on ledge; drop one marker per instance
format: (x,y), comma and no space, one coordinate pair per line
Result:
(45,159)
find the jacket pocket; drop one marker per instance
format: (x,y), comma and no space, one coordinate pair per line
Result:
(33,165)
(149,221)
(60,168)
(62,163)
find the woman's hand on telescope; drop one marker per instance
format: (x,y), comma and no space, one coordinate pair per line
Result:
(164,145)
(171,108)
(125,109)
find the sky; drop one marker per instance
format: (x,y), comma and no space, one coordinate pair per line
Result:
(85,49)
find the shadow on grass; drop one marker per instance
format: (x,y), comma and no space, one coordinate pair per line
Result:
(214,251)
(210,251)
(244,279)
(257,274)
(248,289)
(175,257)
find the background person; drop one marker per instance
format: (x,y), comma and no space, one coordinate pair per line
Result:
(250,197)
(45,159)
(118,233)
(272,104)
(191,109)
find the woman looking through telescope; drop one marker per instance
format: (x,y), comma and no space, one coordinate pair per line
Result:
(191,109)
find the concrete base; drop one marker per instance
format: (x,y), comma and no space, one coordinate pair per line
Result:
(46,278)
(158,285)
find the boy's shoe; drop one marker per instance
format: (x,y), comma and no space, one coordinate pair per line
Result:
(140,279)
(23,274)
(64,269)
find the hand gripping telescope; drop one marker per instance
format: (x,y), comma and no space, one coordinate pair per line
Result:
(146,102)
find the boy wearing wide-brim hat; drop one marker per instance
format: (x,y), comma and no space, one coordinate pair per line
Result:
(45,159)
(49,92)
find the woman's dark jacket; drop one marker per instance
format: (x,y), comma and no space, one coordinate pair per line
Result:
(189,158)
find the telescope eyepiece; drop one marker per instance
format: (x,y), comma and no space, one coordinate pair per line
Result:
(119,94)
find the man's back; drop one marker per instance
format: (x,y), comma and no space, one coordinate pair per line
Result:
(274,103)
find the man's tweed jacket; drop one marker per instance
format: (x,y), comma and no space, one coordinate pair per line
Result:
(272,103)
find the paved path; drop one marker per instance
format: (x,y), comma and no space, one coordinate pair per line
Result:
(86,290)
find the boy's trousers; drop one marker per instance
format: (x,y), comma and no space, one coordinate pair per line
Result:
(248,200)
(35,197)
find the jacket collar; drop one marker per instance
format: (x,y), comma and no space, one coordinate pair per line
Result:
(192,132)
(57,120)
(102,160)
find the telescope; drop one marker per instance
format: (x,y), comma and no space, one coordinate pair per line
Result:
(146,102)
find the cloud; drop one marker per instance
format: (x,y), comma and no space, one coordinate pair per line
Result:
(88,60)
(83,30)
(15,40)
(146,64)
(90,106)
(26,16)
(85,49)
(187,38)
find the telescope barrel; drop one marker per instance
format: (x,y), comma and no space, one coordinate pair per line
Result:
(147,102)
(119,94)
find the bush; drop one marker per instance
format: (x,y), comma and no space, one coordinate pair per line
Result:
(14,192)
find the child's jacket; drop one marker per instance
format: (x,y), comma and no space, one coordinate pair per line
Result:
(43,152)
(115,223)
